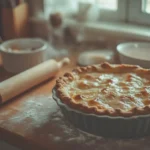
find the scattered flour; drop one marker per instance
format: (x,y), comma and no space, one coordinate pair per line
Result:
(33,112)
(45,114)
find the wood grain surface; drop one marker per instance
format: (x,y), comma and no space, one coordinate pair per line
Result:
(33,121)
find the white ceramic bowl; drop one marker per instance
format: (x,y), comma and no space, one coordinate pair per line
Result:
(136,53)
(16,61)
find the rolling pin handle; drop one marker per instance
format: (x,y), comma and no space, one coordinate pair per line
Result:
(63,62)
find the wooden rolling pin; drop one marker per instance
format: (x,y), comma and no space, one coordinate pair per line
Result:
(29,78)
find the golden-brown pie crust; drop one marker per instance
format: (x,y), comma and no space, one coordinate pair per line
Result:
(94,109)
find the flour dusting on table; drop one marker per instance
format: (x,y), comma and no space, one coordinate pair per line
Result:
(39,117)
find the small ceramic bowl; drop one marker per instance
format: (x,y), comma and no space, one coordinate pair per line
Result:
(21,54)
(136,53)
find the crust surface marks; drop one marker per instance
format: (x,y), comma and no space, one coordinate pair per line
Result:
(105,89)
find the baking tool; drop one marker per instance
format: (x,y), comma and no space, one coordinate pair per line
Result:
(29,78)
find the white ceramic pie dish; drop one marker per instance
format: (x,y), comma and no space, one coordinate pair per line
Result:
(136,53)
(31,51)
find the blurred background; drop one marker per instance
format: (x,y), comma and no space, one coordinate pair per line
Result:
(76,26)
(104,21)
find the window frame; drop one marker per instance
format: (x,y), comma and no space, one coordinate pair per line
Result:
(111,15)
(136,15)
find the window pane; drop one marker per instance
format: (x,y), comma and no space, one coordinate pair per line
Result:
(146,6)
(104,4)
(65,6)
(108,4)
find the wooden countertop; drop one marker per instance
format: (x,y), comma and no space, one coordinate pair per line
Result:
(33,121)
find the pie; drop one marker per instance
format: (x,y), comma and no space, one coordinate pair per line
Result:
(106,89)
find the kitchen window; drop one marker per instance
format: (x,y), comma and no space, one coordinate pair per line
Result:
(124,19)
(113,10)
(135,11)
(139,11)
(146,6)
